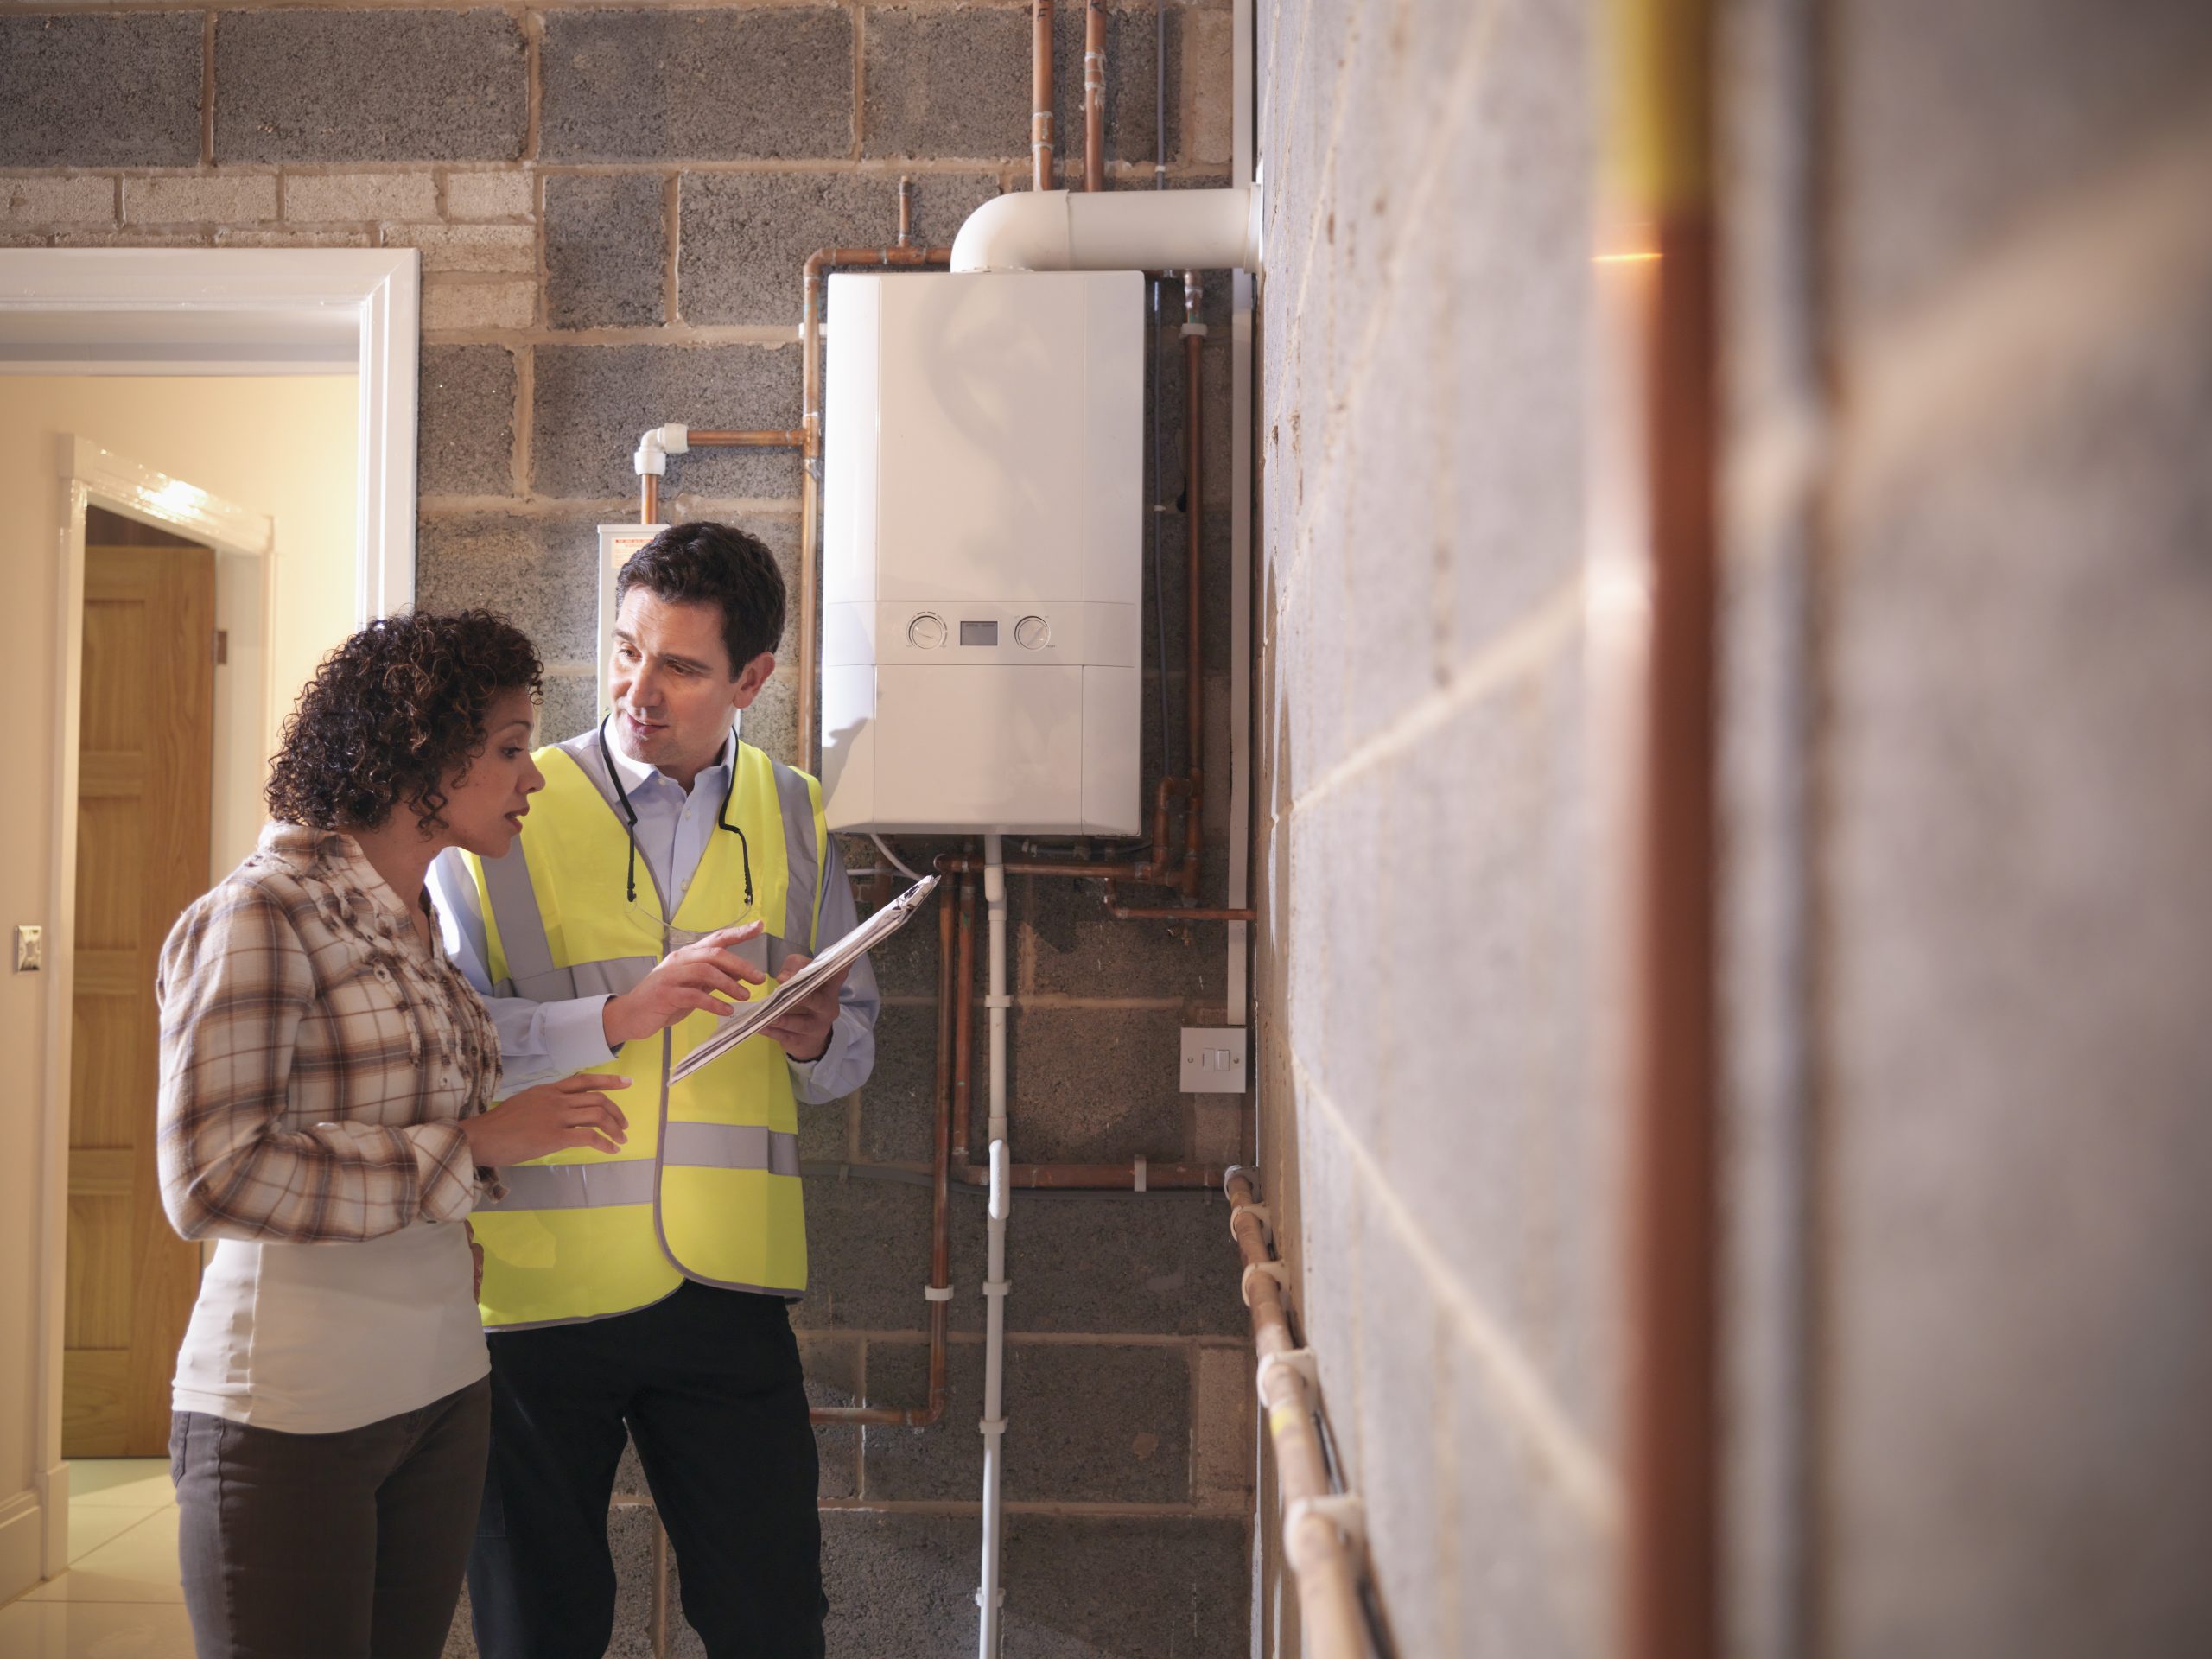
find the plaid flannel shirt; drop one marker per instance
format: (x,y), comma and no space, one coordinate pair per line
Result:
(316,1056)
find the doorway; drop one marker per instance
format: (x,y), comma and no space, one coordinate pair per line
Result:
(145,772)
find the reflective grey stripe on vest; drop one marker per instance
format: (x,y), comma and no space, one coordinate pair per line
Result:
(522,931)
(800,858)
(685,1146)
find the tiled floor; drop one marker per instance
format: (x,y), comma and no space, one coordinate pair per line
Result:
(119,1598)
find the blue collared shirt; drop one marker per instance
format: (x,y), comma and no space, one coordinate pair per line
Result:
(544,1042)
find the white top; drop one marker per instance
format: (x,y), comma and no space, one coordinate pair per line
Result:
(316,1338)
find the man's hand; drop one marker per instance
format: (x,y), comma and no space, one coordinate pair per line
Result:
(694,980)
(803,1028)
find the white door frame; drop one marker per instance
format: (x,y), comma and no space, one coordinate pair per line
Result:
(186,291)
(194,291)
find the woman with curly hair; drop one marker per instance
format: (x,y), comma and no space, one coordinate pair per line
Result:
(325,1073)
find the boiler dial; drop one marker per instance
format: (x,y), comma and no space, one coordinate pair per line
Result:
(1033,634)
(927,632)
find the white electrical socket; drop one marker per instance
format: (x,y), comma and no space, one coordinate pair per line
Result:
(1213,1059)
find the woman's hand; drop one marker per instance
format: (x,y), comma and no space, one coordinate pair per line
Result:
(550,1117)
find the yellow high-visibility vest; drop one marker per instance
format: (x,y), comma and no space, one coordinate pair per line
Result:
(707,1186)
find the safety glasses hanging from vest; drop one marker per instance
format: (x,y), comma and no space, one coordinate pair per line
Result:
(651,922)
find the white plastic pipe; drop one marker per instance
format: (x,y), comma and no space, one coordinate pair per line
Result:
(995,1282)
(1113,230)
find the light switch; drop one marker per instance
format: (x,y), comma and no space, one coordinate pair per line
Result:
(30,949)
(1213,1059)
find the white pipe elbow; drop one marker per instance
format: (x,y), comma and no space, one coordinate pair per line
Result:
(657,444)
(1113,230)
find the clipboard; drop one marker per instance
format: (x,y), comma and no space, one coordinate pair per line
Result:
(748,1018)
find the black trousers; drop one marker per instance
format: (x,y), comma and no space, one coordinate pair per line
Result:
(343,1546)
(707,1383)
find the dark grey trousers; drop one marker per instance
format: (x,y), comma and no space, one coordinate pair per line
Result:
(348,1546)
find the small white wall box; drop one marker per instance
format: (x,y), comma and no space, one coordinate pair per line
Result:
(982,552)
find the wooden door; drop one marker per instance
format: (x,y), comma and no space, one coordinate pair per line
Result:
(145,763)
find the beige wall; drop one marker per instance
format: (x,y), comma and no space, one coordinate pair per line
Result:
(285,448)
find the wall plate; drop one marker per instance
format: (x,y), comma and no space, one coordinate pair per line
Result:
(30,949)
(1213,1059)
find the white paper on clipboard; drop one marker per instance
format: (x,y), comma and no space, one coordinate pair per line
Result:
(749,1017)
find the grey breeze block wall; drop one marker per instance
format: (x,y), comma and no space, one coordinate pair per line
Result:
(612,207)
(1966,650)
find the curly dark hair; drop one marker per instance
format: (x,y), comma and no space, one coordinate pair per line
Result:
(702,563)
(393,712)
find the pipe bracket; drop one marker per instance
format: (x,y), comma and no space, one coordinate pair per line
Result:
(1274,1270)
(1343,1511)
(991,1426)
(1302,1361)
(937,1293)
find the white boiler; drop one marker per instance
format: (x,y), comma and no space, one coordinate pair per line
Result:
(982,537)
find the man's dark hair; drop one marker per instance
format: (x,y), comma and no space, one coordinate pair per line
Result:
(714,564)
(391,714)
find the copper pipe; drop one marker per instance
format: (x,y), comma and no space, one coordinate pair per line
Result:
(963,1023)
(648,498)
(1040,95)
(1194,517)
(1660,654)
(906,238)
(816,268)
(1094,95)
(1326,1568)
(790,439)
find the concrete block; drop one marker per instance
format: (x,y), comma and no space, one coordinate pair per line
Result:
(629,1474)
(100,90)
(183,200)
(540,573)
(133,239)
(570,705)
(1069,945)
(593,401)
(226,237)
(1527,1577)
(1951,134)
(1085,1424)
(453,303)
(606,250)
(1068,1581)
(2016,1052)
(469,247)
(869,1256)
(948,83)
(466,421)
(327,198)
(1398,1394)
(1090,1084)
(1204,69)
(833,1378)
(1132,86)
(745,236)
(491,195)
(1162,1264)
(629,1541)
(899,1583)
(695,85)
(907,966)
(79,200)
(825,1130)
(461,1639)
(1221,1427)
(898,1113)
(400,85)
(1515,462)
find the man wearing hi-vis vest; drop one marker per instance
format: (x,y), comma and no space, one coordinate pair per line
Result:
(666,870)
